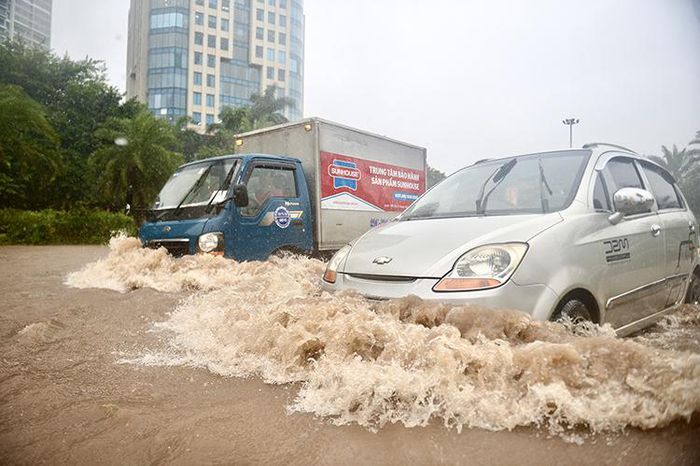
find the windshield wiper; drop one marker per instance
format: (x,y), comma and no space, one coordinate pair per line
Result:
(223,185)
(498,176)
(544,184)
(194,187)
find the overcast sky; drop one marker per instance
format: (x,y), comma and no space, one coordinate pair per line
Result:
(474,79)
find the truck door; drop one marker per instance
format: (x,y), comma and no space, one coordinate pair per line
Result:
(277,214)
(678,230)
(633,252)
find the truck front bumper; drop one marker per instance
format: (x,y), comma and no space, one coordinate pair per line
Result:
(537,300)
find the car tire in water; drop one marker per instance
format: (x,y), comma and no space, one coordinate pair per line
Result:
(693,295)
(574,309)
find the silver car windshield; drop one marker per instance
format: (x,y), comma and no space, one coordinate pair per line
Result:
(529,184)
(196,184)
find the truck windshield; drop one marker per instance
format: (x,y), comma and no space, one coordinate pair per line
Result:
(529,184)
(196,185)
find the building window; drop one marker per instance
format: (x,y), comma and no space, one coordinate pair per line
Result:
(198,38)
(283,3)
(210,119)
(282,38)
(294,65)
(282,57)
(271,54)
(258,51)
(199,19)
(197,98)
(270,17)
(210,100)
(260,14)
(213,4)
(281,75)
(198,58)
(259,33)
(226,5)
(211,61)
(168,20)
(211,41)
(196,117)
(211,80)
(271,2)
(200,2)
(212,22)
(224,44)
(283,21)
(270,72)
(224,24)
(270,35)
(198,78)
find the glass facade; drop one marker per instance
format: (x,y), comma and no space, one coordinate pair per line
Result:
(204,55)
(168,53)
(295,81)
(238,78)
(29,20)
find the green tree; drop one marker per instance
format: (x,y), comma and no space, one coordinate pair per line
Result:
(684,165)
(134,154)
(434,176)
(77,100)
(236,120)
(680,163)
(28,156)
(266,108)
(190,142)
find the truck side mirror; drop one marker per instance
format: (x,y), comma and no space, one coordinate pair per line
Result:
(240,195)
(631,201)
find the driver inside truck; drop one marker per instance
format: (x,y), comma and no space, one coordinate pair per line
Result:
(264,183)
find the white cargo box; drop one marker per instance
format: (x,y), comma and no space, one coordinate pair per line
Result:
(356,179)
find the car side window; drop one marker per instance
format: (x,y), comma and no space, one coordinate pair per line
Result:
(661,184)
(601,200)
(266,182)
(619,173)
(623,174)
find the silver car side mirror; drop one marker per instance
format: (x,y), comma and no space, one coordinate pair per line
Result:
(631,201)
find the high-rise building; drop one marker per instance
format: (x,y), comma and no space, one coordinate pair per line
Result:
(27,20)
(194,57)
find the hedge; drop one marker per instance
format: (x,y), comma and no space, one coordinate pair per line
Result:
(80,226)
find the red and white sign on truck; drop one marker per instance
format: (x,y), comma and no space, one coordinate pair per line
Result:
(351,183)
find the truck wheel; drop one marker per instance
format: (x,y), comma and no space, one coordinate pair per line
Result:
(693,295)
(575,309)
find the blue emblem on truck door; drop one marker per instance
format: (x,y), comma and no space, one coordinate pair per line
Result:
(282,217)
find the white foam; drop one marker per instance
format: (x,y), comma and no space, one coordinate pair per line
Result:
(402,361)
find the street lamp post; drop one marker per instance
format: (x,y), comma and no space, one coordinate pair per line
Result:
(571,122)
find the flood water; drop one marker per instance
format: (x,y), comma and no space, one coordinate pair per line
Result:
(405,361)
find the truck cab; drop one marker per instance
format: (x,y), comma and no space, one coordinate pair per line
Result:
(243,207)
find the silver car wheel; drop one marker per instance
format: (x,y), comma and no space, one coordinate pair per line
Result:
(574,309)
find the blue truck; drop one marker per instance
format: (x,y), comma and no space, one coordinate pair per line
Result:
(308,187)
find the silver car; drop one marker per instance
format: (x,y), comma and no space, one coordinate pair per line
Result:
(598,233)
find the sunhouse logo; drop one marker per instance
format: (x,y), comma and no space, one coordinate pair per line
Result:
(344,174)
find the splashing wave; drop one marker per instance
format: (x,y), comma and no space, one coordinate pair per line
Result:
(406,360)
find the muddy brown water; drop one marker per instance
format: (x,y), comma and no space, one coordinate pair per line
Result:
(142,376)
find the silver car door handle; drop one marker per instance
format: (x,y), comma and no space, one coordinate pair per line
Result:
(655,230)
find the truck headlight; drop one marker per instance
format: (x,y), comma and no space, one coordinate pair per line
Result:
(483,267)
(209,242)
(332,269)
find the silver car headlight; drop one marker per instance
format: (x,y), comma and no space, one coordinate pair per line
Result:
(338,258)
(483,267)
(210,242)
